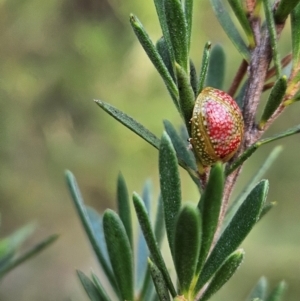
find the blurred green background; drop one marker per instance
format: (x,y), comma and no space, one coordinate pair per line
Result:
(55,58)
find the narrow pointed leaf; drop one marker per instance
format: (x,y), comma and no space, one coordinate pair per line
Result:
(186,95)
(153,54)
(226,271)
(267,207)
(130,123)
(278,292)
(159,282)
(151,240)
(169,185)
(193,78)
(187,243)
(237,230)
(180,147)
(204,66)
(159,228)
(216,68)
(273,35)
(240,97)
(177,27)
(241,16)
(160,10)
(295,27)
(101,291)
(284,9)
(162,48)
(120,253)
(88,227)
(210,205)
(124,206)
(28,254)
(230,28)
(274,100)
(260,290)
(89,287)
(188,12)
(257,177)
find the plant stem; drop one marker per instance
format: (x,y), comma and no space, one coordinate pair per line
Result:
(238,78)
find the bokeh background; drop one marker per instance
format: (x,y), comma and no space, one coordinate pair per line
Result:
(55,58)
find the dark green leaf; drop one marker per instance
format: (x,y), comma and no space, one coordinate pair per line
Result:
(181,149)
(160,10)
(274,100)
(267,207)
(120,254)
(124,206)
(169,185)
(224,273)
(241,16)
(188,11)
(177,27)
(273,36)
(237,230)
(186,95)
(28,254)
(216,68)
(89,287)
(240,97)
(159,282)
(204,66)
(153,54)
(295,26)
(257,177)
(88,227)
(159,228)
(193,78)
(101,291)
(259,291)
(277,293)
(210,205)
(130,123)
(229,27)
(187,243)
(284,8)
(151,240)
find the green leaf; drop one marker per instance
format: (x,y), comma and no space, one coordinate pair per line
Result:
(181,149)
(159,282)
(88,227)
(257,177)
(120,254)
(151,240)
(295,27)
(241,16)
(124,206)
(89,287)
(187,243)
(160,10)
(226,271)
(204,66)
(277,293)
(284,8)
(216,68)
(153,54)
(130,123)
(240,97)
(169,185)
(274,100)
(259,291)
(273,35)
(229,27)
(193,78)
(186,95)
(178,31)
(100,289)
(245,155)
(159,228)
(188,12)
(28,254)
(210,205)
(237,230)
